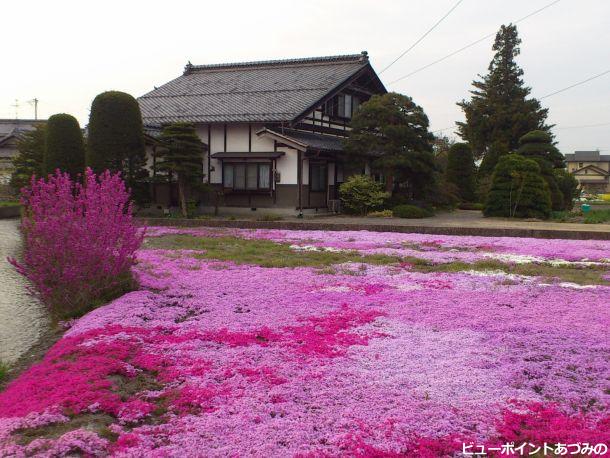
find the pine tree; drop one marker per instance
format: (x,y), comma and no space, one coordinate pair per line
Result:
(461,171)
(29,158)
(64,146)
(182,156)
(537,145)
(116,139)
(499,111)
(391,131)
(518,189)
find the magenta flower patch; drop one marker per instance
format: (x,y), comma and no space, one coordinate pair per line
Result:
(221,359)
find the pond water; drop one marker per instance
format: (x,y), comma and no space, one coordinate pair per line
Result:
(23,319)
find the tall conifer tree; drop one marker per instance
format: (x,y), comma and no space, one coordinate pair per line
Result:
(499,111)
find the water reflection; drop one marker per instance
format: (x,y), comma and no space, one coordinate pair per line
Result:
(23,319)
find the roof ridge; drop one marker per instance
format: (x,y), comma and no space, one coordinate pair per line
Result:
(361,57)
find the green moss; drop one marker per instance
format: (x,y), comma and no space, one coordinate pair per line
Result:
(582,275)
(4,369)
(96,422)
(264,253)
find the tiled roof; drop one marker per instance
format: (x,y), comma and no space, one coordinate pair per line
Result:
(265,91)
(588,156)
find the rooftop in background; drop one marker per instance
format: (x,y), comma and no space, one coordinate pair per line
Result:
(587,156)
(262,91)
(7,126)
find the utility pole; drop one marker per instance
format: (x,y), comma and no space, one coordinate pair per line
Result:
(35,102)
(16,106)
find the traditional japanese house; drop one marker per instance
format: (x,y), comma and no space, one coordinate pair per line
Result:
(274,130)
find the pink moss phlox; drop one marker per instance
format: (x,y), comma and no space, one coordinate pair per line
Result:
(328,335)
(538,423)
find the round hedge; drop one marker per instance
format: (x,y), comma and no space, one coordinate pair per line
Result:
(410,211)
(64,146)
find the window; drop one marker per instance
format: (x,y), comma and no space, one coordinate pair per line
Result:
(342,105)
(580,165)
(247,176)
(318,177)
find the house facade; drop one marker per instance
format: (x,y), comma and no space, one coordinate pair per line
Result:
(10,130)
(591,169)
(274,130)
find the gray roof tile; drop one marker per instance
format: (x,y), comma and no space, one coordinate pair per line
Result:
(267,91)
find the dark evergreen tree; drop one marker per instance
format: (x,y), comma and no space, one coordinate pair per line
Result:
(64,146)
(182,157)
(29,158)
(116,140)
(518,189)
(568,185)
(461,171)
(391,131)
(499,111)
(537,145)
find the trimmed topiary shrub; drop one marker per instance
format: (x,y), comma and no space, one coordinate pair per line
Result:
(411,211)
(518,189)
(116,140)
(461,171)
(361,194)
(79,241)
(64,146)
(182,156)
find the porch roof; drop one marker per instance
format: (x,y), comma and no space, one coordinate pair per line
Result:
(248,155)
(303,140)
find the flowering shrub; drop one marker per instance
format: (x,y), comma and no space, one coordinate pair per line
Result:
(372,360)
(79,240)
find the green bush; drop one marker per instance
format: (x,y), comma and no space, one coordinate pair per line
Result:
(597,217)
(518,189)
(471,206)
(411,211)
(361,194)
(461,171)
(65,149)
(381,214)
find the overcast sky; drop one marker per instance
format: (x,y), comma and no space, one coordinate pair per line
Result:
(66,52)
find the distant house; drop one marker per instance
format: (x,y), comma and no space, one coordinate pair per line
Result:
(10,130)
(591,169)
(274,129)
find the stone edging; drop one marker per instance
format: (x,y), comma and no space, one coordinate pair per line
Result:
(13,211)
(437,230)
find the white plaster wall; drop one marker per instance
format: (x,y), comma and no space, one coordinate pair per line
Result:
(260,143)
(237,137)
(216,145)
(287,166)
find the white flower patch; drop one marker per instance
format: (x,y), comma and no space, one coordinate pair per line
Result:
(496,273)
(336,289)
(514,258)
(409,287)
(314,248)
(526,259)
(567,284)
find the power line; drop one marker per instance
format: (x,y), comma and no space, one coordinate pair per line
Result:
(588,125)
(422,37)
(575,84)
(471,44)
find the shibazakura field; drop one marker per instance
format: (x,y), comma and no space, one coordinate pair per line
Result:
(284,343)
